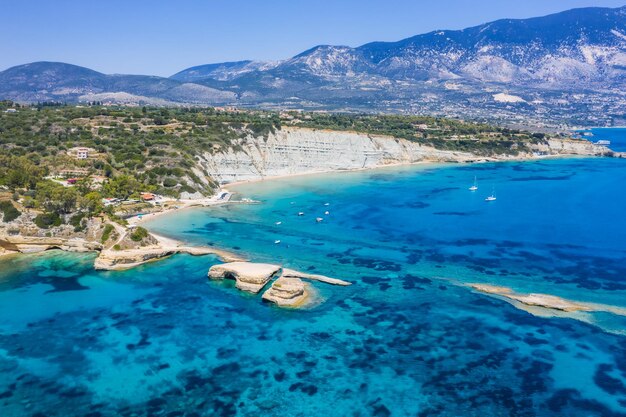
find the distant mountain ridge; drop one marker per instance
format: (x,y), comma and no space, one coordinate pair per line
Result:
(581,43)
(574,59)
(42,81)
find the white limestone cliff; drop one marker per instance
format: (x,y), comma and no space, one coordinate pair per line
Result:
(295,150)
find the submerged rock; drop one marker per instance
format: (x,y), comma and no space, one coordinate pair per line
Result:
(537,300)
(287,292)
(249,276)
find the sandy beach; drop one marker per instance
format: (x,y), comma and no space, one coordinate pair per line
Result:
(181,205)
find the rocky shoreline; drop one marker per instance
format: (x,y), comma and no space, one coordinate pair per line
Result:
(117,252)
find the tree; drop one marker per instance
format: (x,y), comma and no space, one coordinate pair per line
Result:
(55,198)
(138,234)
(121,187)
(91,202)
(19,172)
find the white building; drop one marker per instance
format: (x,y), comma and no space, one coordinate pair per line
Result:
(81,152)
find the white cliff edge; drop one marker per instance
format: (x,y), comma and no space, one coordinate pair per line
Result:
(293,151)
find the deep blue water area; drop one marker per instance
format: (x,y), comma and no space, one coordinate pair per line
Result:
(617,137)
(406,339)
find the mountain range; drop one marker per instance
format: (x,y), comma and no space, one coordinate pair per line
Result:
(569,66)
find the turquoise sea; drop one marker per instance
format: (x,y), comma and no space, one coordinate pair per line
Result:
(406,339)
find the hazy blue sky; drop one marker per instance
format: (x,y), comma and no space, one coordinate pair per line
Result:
(163,37)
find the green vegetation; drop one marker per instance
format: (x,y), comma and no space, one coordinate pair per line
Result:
(106,234)
(154,148)
(138,234)
(19,171)
(441,133)
(79,221)
(134,150)
(47,220)
(9,212)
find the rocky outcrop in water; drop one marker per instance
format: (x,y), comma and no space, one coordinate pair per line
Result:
(287,292)
(291,273)
(250,277)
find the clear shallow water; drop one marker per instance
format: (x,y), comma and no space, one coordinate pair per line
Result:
(404,340)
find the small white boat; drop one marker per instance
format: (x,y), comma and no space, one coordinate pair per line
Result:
(327,204)
(301,213)
(319,219)
(474,187)
(276,242)
(492,197)
(278,223)
(327,213)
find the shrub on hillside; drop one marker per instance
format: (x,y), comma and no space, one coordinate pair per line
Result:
(9,212)
(78,221)
(138,234)
(108,229)
(170,182)
(47,220)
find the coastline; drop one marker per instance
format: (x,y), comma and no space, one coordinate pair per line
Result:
(125,257)
(226,187)
(429,163)
(184,205)
(117,260)
(334,171)
(112,260)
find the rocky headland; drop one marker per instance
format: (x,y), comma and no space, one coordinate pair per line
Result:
(118,246)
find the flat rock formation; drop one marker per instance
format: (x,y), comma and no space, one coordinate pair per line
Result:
(287,292)
(291,273)
(251,277)
(113,260)
(544,300)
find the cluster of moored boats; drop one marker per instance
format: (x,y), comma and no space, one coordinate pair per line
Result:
(301,213)
(491,197)
(473,188)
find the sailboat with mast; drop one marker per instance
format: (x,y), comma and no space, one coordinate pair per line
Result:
(474,187)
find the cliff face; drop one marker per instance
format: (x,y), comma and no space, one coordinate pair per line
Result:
(298,151)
